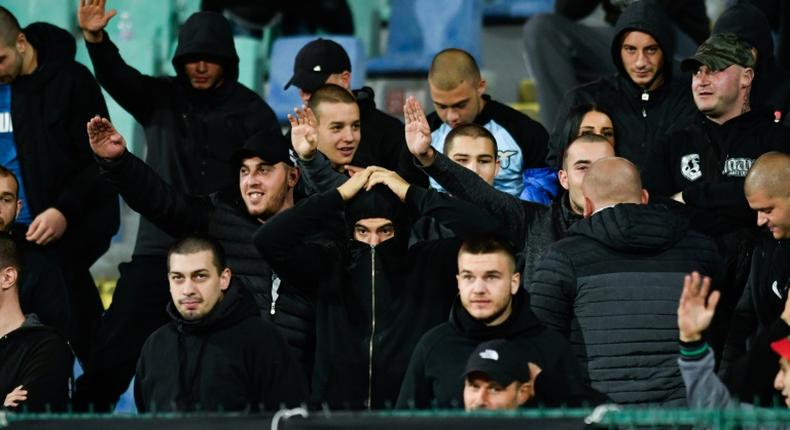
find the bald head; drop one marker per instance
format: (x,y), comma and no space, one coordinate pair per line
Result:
(451,68)
(611,181)
(770,175)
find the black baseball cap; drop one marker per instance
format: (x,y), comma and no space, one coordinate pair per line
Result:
(271,147)
(315,62)
(500,360)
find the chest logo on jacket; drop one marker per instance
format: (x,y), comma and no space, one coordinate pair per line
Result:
(737,167)
(689,166)
(504,157)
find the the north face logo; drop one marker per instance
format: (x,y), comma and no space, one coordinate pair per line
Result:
(737,167)
(689,167)
(489,354)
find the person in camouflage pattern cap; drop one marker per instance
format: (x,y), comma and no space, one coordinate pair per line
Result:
(719,52)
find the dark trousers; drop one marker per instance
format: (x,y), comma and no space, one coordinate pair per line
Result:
(137,310)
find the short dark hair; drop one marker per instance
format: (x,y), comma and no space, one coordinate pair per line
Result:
(468,130)
(477,245)
(9,253)
(587,138)
(198,242)
(5,173)
(330,93)
(451,67)
(9,27)
(569,130)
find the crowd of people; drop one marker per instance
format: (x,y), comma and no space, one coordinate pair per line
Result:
(633,252)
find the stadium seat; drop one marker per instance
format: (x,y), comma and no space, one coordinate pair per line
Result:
(515,11)
(420,29)
(281,68)
(59,13)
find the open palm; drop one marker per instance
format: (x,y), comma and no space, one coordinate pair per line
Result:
(418,132)
(105,141)
(304,132)
(696,308)
(92,16)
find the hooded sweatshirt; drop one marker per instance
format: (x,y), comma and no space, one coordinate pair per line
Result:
(771,85)
(435,377)
(190,134)
(612,288)
(373,302)
(639,116)
(230,360)
(49,109)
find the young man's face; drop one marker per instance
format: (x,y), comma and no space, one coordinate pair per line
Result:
(782,380)
(459,105)
(642,58)
(10,205)
(204,75)
(10,63)
(196,285)
(486,285)
(373,231)
(338,132)
(476,154)
(716,92)
(482,392)
(264,186)
(577,161)
(772,212)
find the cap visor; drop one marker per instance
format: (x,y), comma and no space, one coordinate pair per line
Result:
(782,347)
(308,81)
(690,64)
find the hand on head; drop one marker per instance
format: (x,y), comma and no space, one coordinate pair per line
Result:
(368,177)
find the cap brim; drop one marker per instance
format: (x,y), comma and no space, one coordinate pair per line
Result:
(307,81)
(497,377)
(690,64)
(782,347)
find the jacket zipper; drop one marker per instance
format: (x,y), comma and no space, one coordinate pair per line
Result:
(372,324)
(645,97)
(275,293)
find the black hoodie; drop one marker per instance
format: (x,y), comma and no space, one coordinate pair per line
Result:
(612,288)
(771,85)
(230,360)
(435,377)
(190,134)
(373,302)
(49,109)
(638,116)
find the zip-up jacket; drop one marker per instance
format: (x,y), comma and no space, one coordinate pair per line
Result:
(190,134)
(373,302)
(612,288)
(435,377)
(39,359)
(224,216)
(231,360)
(639,116)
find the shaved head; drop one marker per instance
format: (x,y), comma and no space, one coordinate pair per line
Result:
(611,181)
(770,174)
(451,68)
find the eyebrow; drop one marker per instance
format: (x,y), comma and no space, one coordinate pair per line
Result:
(581,162)
(466,100)
(7,193)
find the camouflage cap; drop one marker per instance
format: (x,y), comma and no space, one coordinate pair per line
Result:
(719,52)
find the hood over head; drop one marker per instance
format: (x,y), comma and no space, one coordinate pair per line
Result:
(648,17)
(379,202)
(53,44)
(207,35)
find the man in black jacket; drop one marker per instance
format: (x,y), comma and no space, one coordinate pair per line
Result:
(35,361)
(490,305)
(70,209)
(755,321)
(641,97)
(612,286)
(324,61)
(193,123)
(216,354)
(528,226)
(375,295)
(265,187)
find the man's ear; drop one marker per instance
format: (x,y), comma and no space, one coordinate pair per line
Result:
(588,207)
(293,176)
(345,77)
(21,43)
(645,196)
(8,277)
(481,87)
(224,279)
(747,77)
(515,282)
(562,175)
(525,392)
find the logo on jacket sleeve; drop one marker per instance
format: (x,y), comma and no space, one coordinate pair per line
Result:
(737,167)
(689,167)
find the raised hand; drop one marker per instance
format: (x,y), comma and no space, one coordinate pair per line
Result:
(696,308)
(105,141)
(380,175)
(92,19)
(304,132)
(418,132)
(358,180)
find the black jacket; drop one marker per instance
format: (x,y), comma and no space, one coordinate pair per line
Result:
(373,303)
(749,365)
(435,377)
(49,109)
(224,216)
(230,360)
(529,226)
(771,85)
(38,358)
(190,134)
(612,288)
(638,116)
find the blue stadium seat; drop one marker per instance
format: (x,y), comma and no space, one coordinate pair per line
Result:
(418,30)
(515,10)
(281,68)
(59,13)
